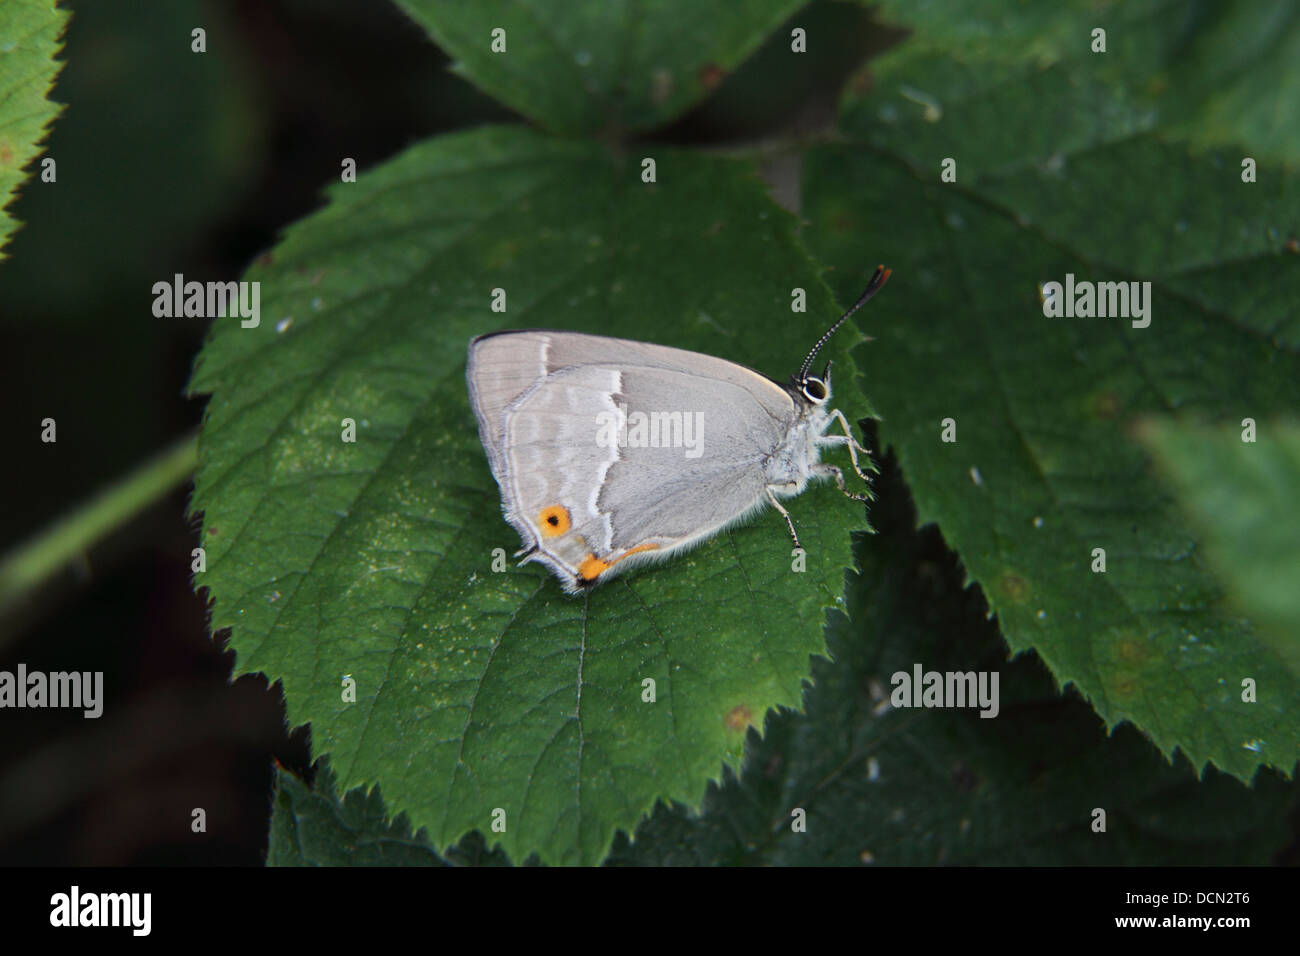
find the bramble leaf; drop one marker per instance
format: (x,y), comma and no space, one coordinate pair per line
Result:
(591,66)
(479,691)
(1038,484)
(1216,74)
(896,786)
(30,37)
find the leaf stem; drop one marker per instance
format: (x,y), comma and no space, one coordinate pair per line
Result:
(51,549)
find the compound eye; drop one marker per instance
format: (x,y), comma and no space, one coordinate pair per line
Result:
(814,389)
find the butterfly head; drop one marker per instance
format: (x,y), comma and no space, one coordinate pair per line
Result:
(815,391)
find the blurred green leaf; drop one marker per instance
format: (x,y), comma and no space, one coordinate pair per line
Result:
(1242,497)
(476,690)
(30,34)
(1216,72)
(597,66)
(1236,63)
(1015,32)
(1042,471)
(156,144)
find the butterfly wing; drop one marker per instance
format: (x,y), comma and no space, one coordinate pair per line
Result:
(582,502)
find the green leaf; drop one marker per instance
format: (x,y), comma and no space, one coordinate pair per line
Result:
(1050,147)
(1018,789)
(1043,470)
(595,66)
(1216,72)
(30,33)
(944,786)
(1242,497)
(475,690)
(1009,31)
(313,827)
(1238,66)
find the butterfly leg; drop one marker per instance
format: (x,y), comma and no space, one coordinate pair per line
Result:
(849,440)
(823,470)
(786,515)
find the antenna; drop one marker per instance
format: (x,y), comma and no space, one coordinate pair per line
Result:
(877,280)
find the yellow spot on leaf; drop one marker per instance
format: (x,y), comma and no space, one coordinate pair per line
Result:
(739,718)
(1014,587)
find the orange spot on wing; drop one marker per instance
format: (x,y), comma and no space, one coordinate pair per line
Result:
(554,521)
(593,567)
